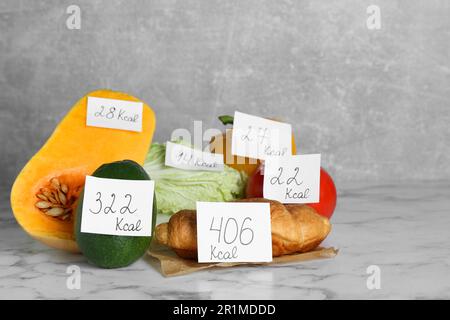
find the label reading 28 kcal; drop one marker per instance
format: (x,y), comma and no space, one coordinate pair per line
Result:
(114,114)
(234,232)
(183,157)
(117,207)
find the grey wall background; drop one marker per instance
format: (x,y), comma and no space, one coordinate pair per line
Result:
(375,103)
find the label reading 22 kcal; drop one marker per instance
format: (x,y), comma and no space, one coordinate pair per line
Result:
(234,232)
(294,179)
(114,114)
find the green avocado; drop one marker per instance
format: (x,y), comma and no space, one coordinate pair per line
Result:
(110,251)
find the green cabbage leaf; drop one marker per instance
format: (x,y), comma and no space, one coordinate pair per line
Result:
(177,189)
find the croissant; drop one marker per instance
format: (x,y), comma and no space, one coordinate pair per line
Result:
(295,228)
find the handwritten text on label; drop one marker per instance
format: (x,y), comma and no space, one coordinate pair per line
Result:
(117,207)
(256,137)
(183,157)
(114,114)
(294,179)
(234,232)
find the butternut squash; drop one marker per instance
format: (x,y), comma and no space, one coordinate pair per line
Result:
(45,193)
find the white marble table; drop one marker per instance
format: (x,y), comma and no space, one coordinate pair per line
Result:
(405,230)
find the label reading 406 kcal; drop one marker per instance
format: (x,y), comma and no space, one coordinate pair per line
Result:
(117,207)
(234,232)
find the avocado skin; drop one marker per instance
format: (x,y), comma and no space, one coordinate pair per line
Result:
(109,251)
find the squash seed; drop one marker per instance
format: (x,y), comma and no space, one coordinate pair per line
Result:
(54,212)
(43,204)
(52,199)
(55,183)
(47,193)
(64,188)
(62,197)
(56,196)
(42,197)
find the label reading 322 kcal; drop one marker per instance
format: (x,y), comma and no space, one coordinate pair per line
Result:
(118,207)
(234,232)
(114,114)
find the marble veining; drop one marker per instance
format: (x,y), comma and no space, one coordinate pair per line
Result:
(403,229)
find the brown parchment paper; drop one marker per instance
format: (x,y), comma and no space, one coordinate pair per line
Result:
(172,265)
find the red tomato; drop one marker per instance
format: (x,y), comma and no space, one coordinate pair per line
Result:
(328,195)
(255,184)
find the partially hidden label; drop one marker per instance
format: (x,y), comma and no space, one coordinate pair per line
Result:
(118,207)
(234,232)
(259,138)
(294,179)
(114,114)
(183,157)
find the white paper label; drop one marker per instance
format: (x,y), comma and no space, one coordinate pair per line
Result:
(259,138)
(118,207)
(294,179)
(234,232)
(183,157)
(114,114)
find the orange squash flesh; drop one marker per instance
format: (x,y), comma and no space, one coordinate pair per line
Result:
(73,151)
